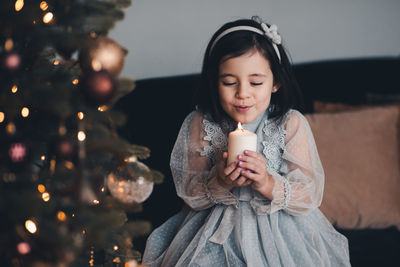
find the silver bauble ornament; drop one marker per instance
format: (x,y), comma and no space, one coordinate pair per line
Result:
(132,183)
(102,53)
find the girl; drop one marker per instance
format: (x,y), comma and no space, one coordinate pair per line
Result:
(261,210)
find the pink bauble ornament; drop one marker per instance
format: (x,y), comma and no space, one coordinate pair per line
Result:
(100,87)
(23,248)
(17,152)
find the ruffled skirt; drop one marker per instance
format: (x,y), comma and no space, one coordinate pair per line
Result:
(277,239)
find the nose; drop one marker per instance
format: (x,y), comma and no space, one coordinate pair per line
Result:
(242,91)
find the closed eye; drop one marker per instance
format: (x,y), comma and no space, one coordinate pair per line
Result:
(228,84)
(256,84)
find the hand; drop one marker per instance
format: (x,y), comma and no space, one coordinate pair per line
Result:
(254,168)
(230,176)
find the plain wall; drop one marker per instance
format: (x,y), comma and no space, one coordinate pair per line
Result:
(169,37)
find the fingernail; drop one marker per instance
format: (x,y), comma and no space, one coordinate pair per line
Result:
(240,163)
(240,156)
(245,152)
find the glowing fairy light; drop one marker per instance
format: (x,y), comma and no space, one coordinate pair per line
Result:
(10,128)
(102,108)
(75,81)
(61,216)
(30,226)
(14,89)
(69,165)
(48,17)
(25,112)
(81,115)
(81,136)
(96,65)
(19,4)
(44,6)
(8,45)
(56,62)
(46,196)
(96,202)
(43,157)
(115,247)
(2,117)
(41,188)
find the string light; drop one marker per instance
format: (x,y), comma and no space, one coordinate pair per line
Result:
(44,6)
(30,226)
(62,130)
(91,261)
(84,232)
(56,62)
(69,165)
(102,108)
(46,196)
(41,188)
(8,45)
(48,17)
(2,117)
(75,81)
(81,136)
(25,112)
(14,89)
(19,4)
(96,202)
(10,128)
(43,157)
(115,247)
(81,115)
(61,216)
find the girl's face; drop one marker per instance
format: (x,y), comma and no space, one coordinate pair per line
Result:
(245,85)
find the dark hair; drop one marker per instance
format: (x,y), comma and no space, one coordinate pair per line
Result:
(236,44)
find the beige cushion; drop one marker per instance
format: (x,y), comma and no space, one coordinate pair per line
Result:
(359,150)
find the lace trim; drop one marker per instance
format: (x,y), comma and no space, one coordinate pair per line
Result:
(286,193)
(216,138)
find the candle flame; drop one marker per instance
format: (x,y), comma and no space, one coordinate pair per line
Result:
(240,126)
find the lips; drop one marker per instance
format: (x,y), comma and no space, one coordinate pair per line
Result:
(242,108)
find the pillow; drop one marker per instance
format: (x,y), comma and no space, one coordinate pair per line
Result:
(360,153)
(327,107)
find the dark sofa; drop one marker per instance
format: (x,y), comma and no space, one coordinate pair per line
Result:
(157,107)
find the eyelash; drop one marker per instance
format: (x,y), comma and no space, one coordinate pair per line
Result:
(230,84)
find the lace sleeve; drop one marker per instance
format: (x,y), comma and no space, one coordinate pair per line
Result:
(193,172)
(300,188)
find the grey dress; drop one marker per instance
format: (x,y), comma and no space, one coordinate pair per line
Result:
(241,227)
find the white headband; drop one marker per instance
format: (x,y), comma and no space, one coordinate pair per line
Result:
(271,33)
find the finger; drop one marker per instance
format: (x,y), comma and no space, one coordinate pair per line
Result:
(250,175)
(240,181)
(250,166)
(248,182)
(252,155)
(235,174)
(231,167)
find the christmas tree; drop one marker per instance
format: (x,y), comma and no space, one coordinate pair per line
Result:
(68,182)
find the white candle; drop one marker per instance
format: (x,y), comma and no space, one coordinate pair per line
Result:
(240,140)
